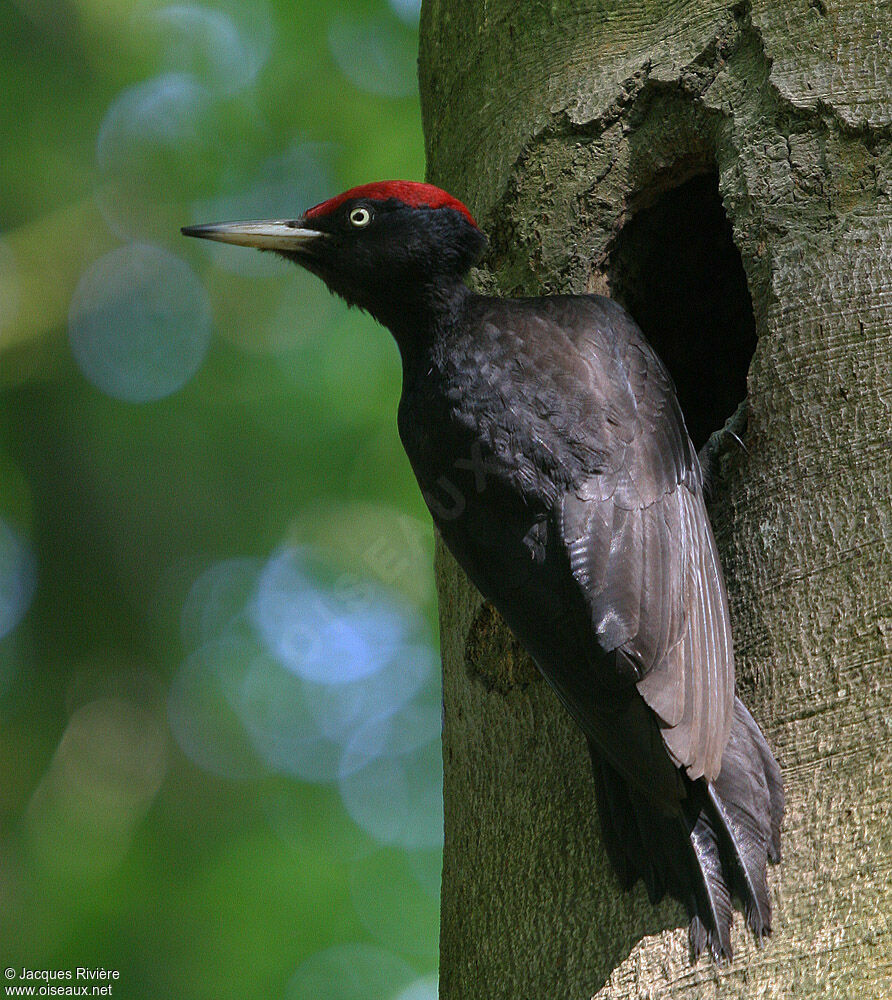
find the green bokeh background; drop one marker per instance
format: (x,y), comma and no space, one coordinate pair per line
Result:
(121,120)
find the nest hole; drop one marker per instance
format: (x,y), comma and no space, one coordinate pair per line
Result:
(677,270)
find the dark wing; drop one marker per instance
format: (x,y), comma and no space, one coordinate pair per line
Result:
(640,546)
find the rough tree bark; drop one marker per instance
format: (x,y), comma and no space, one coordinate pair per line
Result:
(557,123)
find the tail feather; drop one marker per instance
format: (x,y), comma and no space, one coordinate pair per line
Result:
(715,918)
(772,775)
(748,797)
(748,851)
(677,853)
(714,847)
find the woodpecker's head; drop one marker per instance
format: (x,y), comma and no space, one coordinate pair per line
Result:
(379,246)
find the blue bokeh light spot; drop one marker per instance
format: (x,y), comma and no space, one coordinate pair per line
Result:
(427,868)
(406,10)
(155,146)
(276,618)
(330,635)
(422,989)
(349,971)
(213,45)
(203,708)
(276,708)
(139,323)
(340,710)
(18,577)
(283,187)
(397,735)
(391,778)
(218,600)
(375,55)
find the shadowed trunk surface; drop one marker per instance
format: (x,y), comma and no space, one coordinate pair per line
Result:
(725,171)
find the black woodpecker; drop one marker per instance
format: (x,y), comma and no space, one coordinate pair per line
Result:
(548,442)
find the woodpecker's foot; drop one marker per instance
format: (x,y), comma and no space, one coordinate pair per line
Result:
(721,442)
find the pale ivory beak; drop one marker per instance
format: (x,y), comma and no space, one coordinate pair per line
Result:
(268,234)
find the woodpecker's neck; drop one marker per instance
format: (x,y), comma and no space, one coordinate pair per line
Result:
(417,317)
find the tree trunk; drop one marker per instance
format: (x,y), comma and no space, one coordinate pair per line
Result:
(725,170)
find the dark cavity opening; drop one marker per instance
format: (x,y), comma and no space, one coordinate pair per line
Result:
(675,267)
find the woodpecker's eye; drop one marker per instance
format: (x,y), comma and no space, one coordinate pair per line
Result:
(360,217)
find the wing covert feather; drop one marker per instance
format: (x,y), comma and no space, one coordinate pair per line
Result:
(642,553)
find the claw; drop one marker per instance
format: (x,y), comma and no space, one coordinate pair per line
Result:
(716,445)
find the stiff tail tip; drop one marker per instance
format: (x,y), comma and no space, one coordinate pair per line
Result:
(714,850)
